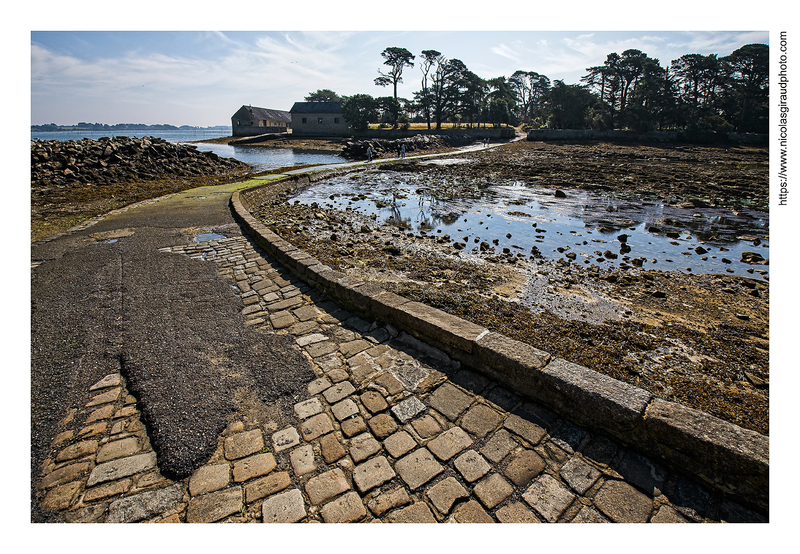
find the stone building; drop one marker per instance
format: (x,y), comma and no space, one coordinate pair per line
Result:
(250,121)
(318,118)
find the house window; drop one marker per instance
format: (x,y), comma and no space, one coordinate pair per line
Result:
(336,120)
(305,120)
(320,120)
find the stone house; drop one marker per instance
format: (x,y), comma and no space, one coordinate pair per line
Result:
(318,118)
(250,121)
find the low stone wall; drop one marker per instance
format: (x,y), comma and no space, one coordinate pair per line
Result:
(650,136)
(725,456)
(497,133)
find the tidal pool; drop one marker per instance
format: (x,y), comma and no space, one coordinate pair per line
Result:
(524,221)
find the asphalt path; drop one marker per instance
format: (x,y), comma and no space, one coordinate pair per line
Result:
(105,299)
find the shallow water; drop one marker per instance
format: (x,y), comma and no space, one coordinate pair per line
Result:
(524,219)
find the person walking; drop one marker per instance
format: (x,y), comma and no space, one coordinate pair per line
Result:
(402,150)
(369,153)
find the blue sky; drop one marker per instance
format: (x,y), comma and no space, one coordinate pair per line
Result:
(203,77)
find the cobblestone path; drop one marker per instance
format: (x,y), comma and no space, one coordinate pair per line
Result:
(390,430)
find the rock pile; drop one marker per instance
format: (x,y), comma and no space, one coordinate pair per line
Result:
(358,149)
(110,160)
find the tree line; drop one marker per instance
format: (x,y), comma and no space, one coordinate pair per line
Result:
(695,93)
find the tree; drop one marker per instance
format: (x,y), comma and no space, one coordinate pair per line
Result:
(748,68)
(529,88)
(423,97)
(397,59)
(359,110)
(568,106)
(324,95)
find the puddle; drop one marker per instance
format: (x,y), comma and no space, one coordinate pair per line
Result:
(208,236)
(583,227)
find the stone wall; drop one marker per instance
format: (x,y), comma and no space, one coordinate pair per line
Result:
(651,136)
(728,458)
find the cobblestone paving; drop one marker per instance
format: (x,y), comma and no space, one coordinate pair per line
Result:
(391,430)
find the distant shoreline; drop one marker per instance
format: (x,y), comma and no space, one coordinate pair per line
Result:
(121,127)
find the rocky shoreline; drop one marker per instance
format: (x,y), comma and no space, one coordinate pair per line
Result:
(698,339)
(75,180)
(107,160)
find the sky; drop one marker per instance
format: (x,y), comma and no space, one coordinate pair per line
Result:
(202,77)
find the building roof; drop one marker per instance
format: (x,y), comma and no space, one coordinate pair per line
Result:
(264,113)
(317,107)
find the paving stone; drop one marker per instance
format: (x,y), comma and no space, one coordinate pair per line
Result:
(318,385)
(338,375)
(472,466)
(93,430)
(320,349)
(253,466)
(373,401)
(61,497)
(642,473)
(569,437)
(308,408)
(146,505)
(328,362)
(118,449)
(600,449)
(114,488)
(305,313)
(480,420)
(372,473)
(390,383)
(503,398)
(110,380)
(302,460)
(668,514)
(243,444)
(498,446)
(525,428)
(587,514)
(311,339)
(316,426)
(209,478)
(101,413)
(417,468)
(122,467)
(105,397)
(344,409)
(285,439)
(382,425)
(362,372)
(287,304)
(266,486)
(388,500)
(286,507)
(408,409)
(445,493)
(516,512)
(326,486)
(579,475)
(449,443)
(426,426)
(281,320)
(399,444)
(492,490)
(348,508)
(353,426)
(363,446)
(471,512)
(449,401)
(416,513)
(338,392)
(331,448)
(623,503)
(77,450)
(523,467)
(350,349)
(548,497)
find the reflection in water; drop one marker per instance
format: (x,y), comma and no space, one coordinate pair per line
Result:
(588,228)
